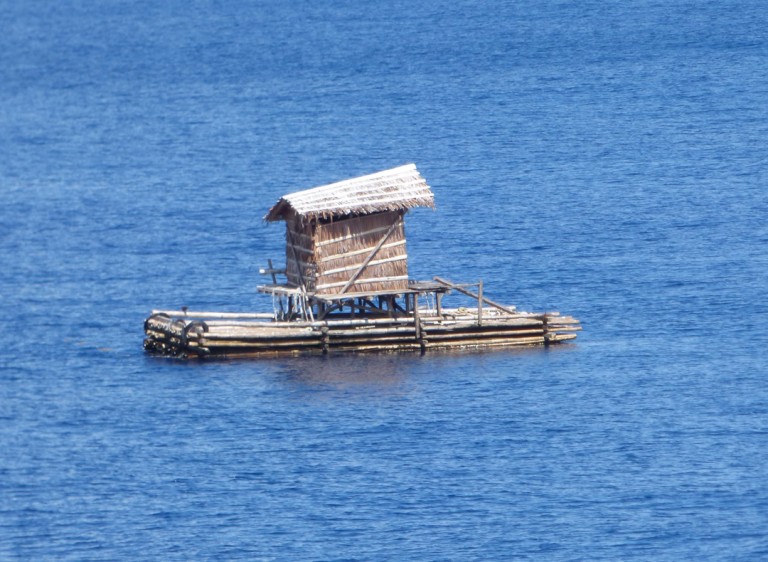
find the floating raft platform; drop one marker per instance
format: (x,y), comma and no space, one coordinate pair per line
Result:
(347,287)
(355,323)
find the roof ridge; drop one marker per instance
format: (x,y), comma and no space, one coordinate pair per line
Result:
(399,188)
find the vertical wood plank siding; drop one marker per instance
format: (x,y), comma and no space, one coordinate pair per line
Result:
(325,256)
(341,247)
(300,264)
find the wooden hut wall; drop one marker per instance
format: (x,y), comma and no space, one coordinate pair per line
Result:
(341,247)
(300,266)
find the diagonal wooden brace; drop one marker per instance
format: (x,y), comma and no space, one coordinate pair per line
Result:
(362,267)
(479,296)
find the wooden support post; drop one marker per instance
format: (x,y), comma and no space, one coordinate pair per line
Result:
(480,303)
(417,324)
(308,308)
(438,299)
(272,272)
(416,317)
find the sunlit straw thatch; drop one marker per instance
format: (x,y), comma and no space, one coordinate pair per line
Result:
(397,189)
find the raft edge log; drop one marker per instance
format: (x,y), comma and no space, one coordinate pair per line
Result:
(458,336)
(195,314)
(497,342)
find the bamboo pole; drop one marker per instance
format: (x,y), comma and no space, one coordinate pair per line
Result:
(404,330)
(480,303)
(257,344)
(416,317)
(562,321)
(496,342)
(335,342)
(512,334)
(201,315)
(562,337)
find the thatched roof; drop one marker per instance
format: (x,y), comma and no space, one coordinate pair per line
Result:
(397,189)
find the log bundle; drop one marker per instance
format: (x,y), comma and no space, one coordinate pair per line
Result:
(204,334)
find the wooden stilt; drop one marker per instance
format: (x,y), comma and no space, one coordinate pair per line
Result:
(480,303)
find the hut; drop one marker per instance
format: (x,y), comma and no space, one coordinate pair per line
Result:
(349,237)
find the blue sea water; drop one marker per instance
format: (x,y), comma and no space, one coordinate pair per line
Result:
(606,159)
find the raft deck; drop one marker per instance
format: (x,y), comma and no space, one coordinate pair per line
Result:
(308,324)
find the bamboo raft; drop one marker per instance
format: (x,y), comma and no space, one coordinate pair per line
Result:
(357,324)
(347,288)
